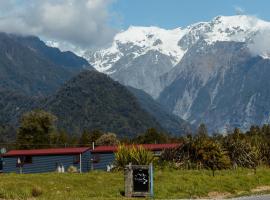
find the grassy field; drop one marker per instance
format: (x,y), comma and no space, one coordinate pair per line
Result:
(169,183)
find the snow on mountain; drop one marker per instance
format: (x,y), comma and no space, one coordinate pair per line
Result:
(239,28)
(154,38)
(137,41)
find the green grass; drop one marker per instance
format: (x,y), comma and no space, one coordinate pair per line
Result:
(169,183)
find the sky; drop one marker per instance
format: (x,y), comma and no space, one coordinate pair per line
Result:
(93,23)
(174,13)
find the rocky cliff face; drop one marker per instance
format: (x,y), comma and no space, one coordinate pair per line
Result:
(224,86)
(136,73)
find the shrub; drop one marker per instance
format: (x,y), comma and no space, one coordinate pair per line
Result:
(242,153)
(132,154)
(72,169)
(108,139)
(197,154)
(36,191)
(214,157)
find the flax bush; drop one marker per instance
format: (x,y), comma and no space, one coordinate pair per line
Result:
(136,155)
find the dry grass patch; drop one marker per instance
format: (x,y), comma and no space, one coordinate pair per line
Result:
(219,195)
(262,188)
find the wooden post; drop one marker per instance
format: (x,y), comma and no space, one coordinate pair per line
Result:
(80,163)
(128,181)
(92,164)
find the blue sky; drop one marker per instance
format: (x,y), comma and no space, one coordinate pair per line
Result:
(175,13)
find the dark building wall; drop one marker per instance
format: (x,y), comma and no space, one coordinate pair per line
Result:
(1,164)
(86,163)
(102,160)
(43,164)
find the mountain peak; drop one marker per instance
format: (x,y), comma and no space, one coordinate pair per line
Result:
(138,40)
(141,33)
(243,21)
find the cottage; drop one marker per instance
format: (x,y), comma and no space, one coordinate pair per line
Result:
(46,160)
(60,159)
(103,156)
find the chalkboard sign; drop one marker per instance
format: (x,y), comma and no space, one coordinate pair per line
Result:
(141,180)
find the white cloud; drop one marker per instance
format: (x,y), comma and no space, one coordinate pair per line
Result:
(80,22)
(239,10)
(261,43)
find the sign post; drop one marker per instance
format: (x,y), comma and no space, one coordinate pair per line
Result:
(151,180)
(139,181)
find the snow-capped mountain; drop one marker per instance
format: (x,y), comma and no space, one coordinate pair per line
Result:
(140,55)
(174,43)
(137,41)
(222,78)
(210,72)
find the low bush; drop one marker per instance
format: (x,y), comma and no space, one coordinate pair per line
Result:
(36,191)
(72,169)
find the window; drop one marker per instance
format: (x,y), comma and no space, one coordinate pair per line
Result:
(96,158)
(76,159)
(157,153)
(27,160)
(22,160)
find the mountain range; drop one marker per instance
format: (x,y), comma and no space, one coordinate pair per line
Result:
(210,72)
(27,65)
(36,76)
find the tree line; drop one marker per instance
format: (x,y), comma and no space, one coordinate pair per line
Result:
(248,149)
(37,129)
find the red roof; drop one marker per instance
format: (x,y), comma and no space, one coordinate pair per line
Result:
(151,147)
(78,150)
(39,152)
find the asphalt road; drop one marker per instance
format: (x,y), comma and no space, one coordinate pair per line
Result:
(260,197)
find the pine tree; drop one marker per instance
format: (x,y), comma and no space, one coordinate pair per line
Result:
(63,138)
(151,136)
(202,131)
(94,135)
(85,139)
